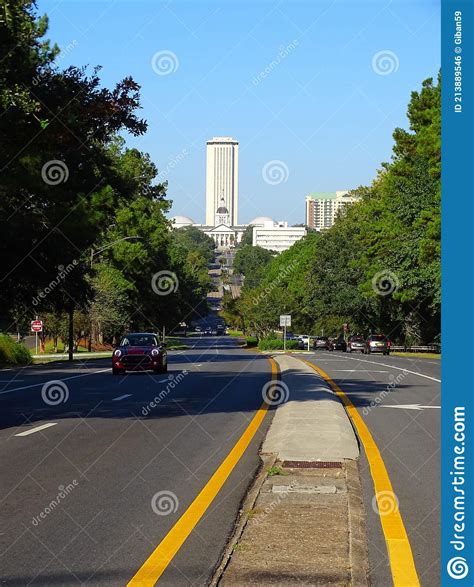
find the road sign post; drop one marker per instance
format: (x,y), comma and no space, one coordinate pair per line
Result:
(36,326)
(285,320)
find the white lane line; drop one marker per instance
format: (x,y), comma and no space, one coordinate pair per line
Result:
(357,371)
(411,407)
(120,397)
(37,429)
(393,367)
(43,382)
(163,381)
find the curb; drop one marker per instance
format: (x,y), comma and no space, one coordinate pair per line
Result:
(358,551)
(248,502)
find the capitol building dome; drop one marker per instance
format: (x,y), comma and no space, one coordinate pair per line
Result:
(180,221)
(260,220)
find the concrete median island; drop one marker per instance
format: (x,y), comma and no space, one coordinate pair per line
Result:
(303,520)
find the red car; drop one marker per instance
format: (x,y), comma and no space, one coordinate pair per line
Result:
(139,351)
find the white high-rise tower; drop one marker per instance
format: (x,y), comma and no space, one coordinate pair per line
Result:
(222,178)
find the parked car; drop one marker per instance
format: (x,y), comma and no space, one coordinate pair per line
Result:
(303,341)
(377,343)
(339,344)
(322,342)
(208,331)
(139,351)
(198,329)
(356,343)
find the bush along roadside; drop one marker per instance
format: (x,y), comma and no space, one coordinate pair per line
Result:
(13,353)
(275,344)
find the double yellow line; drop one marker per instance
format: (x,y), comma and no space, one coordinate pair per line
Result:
(157,563)
(399,550)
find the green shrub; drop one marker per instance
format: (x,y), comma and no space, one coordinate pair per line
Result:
(272,344)
(13,353)
(251,341)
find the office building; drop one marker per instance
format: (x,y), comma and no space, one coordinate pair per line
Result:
(222,180)
(323,207)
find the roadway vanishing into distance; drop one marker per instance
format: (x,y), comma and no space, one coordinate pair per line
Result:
(113,464)
(399,399)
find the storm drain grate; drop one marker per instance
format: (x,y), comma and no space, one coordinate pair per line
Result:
(312,464)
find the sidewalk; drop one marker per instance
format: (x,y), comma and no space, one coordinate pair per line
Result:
(303,521)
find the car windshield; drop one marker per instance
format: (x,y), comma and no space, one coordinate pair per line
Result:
(377,337)
(139,340)
(357,339)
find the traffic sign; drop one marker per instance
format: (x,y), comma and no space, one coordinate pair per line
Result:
(36,326)
(285,320)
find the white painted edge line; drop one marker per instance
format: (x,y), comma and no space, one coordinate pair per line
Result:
(357,371)
(120,397)
(393,367)
(37,429)
(43,382)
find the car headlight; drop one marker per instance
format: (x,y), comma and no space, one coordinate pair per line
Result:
(118,353)
(155,352)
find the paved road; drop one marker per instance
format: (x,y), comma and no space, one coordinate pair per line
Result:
(76,497)
(409,441)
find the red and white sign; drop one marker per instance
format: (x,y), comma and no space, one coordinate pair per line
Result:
(36,326)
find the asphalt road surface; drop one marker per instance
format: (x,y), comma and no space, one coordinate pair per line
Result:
(83,498)
(399,399)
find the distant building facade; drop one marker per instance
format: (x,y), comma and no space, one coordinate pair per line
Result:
(322,208)
(222,179)
(276,236)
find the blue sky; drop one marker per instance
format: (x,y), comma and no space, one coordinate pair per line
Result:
(324,108)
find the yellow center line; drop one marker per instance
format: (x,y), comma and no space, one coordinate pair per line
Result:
(160,558)
(400,555)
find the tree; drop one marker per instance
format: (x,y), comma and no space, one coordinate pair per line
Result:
(251,262)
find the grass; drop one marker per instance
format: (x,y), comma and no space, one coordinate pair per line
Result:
(238,333)
(417,355)
(275,470)
(49,348)
(174,343)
